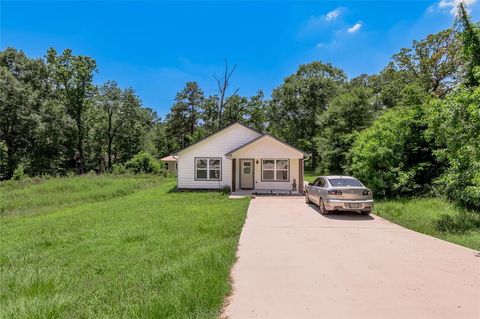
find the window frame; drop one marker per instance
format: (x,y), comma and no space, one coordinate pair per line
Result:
(275,180)
(208,179)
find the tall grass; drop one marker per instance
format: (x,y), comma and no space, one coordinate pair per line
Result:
(39,195)
(435,217)
(149,252)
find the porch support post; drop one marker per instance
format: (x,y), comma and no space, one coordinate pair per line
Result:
(234,175)
(300,175)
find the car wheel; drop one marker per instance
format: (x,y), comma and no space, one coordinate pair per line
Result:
(307,199)
(323,211)
(365,212)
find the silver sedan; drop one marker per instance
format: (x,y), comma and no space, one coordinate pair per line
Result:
(339,193)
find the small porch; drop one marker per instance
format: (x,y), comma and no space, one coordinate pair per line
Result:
(266,166)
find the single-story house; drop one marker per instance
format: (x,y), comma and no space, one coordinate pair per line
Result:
(170,163)
(241,158)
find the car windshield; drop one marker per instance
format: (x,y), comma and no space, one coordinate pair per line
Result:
(344,182)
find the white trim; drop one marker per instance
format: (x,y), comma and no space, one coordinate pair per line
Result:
(208,169)
(275,170)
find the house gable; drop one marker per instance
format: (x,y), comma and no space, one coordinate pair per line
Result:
(266,146)
(237,125)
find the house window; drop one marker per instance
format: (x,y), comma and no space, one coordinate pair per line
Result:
(275,170)
(166,166)
(208,169)
(247,168)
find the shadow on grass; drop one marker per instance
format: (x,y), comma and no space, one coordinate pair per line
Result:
(342,215)
(224,190)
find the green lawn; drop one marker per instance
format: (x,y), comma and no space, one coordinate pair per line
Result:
(310,176)
(435,217)
(115,247)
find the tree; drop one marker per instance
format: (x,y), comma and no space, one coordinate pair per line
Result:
(346,115)
(184,116)
(256,112)
(454,129)
(296,104)
(471,44)
(111,104)
(73,77)
(23,90)
(223,83)
(393,156)
(137,122)
(433,62)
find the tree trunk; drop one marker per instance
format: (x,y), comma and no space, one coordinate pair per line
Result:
(11,164)
(109,151)
(80,146)
(110,141)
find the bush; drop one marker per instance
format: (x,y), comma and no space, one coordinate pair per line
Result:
(392,156)
(19,173)
(455,128)
(118,169)
(143,163)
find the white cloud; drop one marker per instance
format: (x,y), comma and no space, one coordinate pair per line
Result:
(355,28)
(453,4)
(332,15)
(318,22)
(320,45)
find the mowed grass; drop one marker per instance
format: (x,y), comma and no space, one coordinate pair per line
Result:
(149,252)
(435,217)
(310,176)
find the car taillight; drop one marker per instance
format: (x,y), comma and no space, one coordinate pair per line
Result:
(365,193)
(334,192)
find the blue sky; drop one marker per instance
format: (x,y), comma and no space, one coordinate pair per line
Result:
(155,46)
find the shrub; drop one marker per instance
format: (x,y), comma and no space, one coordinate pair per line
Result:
(19,173)
(455,128)
(118,169)
(143,163)
(392,156)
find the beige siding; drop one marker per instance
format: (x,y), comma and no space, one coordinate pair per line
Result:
(267,147)
(216,145)
(259,185)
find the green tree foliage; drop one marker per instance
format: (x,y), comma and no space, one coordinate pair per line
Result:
(346,115)
(143,163)
(471,44)
(73,76)
(433,63)
(296,104)
(23,87)
(455,129)
(116,113)
(183,119)
(392,156)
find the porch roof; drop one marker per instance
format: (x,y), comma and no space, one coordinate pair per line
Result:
(267,146)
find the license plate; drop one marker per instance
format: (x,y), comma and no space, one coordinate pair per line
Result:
(354,205)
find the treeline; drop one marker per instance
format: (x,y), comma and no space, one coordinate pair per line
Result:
(413,128)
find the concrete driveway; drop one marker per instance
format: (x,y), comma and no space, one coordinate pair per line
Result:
(295,263)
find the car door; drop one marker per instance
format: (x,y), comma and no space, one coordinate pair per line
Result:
(321,190)
(316,190)
(312,191)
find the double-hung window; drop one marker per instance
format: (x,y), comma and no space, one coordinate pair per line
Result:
(275,170)
(208,169)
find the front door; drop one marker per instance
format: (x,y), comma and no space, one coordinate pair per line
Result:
(246,173)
